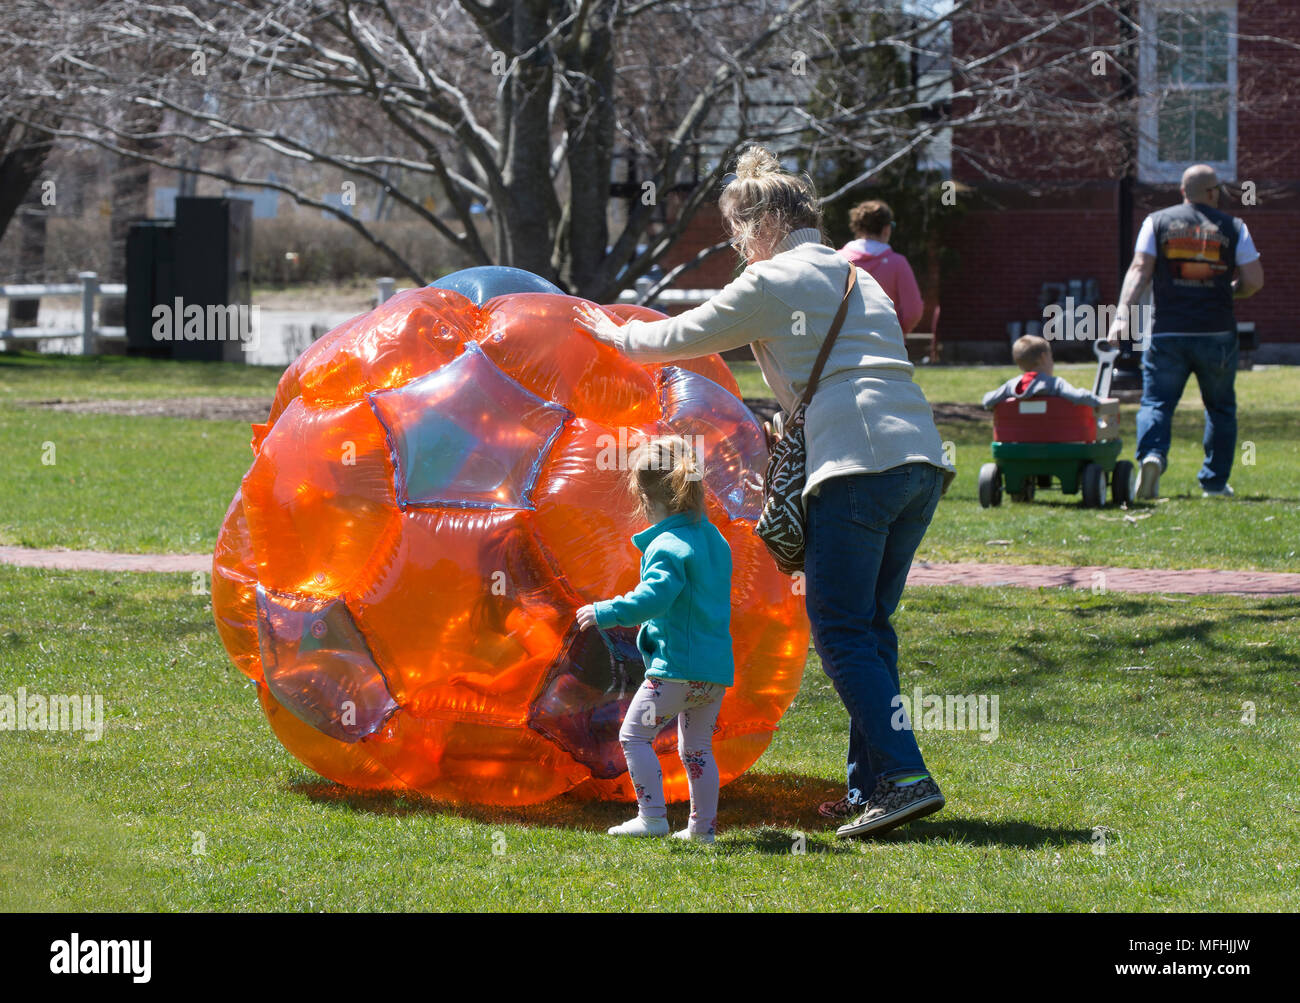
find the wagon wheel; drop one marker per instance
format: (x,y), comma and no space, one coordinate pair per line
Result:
(990,485)
(1094,485)
(1121,483)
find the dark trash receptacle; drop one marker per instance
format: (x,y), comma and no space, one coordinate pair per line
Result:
(150,281)
(214,262)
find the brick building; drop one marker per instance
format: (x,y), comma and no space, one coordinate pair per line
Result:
(1215,82)
(1211,87)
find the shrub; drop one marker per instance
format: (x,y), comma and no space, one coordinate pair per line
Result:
(331,251)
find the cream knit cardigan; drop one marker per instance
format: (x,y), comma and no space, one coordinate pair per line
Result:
(866,415)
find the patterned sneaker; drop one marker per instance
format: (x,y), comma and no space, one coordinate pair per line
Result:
(843,808)
(694,837)
(640,826)
(891,806)
(1148,483)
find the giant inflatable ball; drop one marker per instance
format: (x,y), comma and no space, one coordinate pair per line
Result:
(439,486)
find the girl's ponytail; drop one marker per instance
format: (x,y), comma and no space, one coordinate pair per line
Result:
(685,480)
(667,471)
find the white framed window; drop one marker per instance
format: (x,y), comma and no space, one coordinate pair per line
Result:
(1188,88)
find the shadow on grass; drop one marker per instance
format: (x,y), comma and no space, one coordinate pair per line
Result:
(1053,499)
(1023,835)
(753,801)
(1236,499)
(763,812)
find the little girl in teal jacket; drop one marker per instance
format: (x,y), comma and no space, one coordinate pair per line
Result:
(683,604)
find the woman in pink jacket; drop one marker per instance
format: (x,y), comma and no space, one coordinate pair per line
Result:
(873,222)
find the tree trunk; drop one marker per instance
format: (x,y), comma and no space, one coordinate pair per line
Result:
(32,217)
(24,158)
(524,230)
(589,121)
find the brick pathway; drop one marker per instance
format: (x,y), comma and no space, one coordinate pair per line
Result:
(96,560)
(1201,581)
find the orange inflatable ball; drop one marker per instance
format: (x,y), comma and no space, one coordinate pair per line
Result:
(439,486)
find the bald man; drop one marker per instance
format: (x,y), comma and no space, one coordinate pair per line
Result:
(1200,259)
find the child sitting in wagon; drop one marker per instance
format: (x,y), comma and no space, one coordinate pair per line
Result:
(1034,356)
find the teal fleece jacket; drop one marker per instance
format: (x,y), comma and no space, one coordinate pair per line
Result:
(683,601)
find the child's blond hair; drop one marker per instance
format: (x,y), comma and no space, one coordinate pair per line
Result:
(666,471)
(1031,351)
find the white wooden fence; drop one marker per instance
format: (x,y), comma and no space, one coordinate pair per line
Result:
(88,288)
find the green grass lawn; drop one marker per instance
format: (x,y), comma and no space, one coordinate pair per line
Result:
(1118,715)
(142,484)
(130,484)
(26,376)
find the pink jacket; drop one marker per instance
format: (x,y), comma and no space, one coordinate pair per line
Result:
(894,274)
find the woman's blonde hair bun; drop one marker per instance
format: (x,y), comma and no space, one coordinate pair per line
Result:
(765,202)
(755,163)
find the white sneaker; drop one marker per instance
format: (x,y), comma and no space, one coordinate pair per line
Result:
(1148,484)
(640,826)
(694,837)
(1223,492)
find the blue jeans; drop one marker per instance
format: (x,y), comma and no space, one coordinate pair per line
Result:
(862,531)
(1166,364)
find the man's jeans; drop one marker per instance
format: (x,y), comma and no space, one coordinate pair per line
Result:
(1167,362)
(862,530)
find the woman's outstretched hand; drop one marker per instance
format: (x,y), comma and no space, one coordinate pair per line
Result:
(595,322)
(586,616)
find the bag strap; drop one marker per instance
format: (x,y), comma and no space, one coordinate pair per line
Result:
(825,352)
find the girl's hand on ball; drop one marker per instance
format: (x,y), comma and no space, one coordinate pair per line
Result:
(586,617)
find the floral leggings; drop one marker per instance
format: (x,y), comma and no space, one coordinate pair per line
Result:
(696,706)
